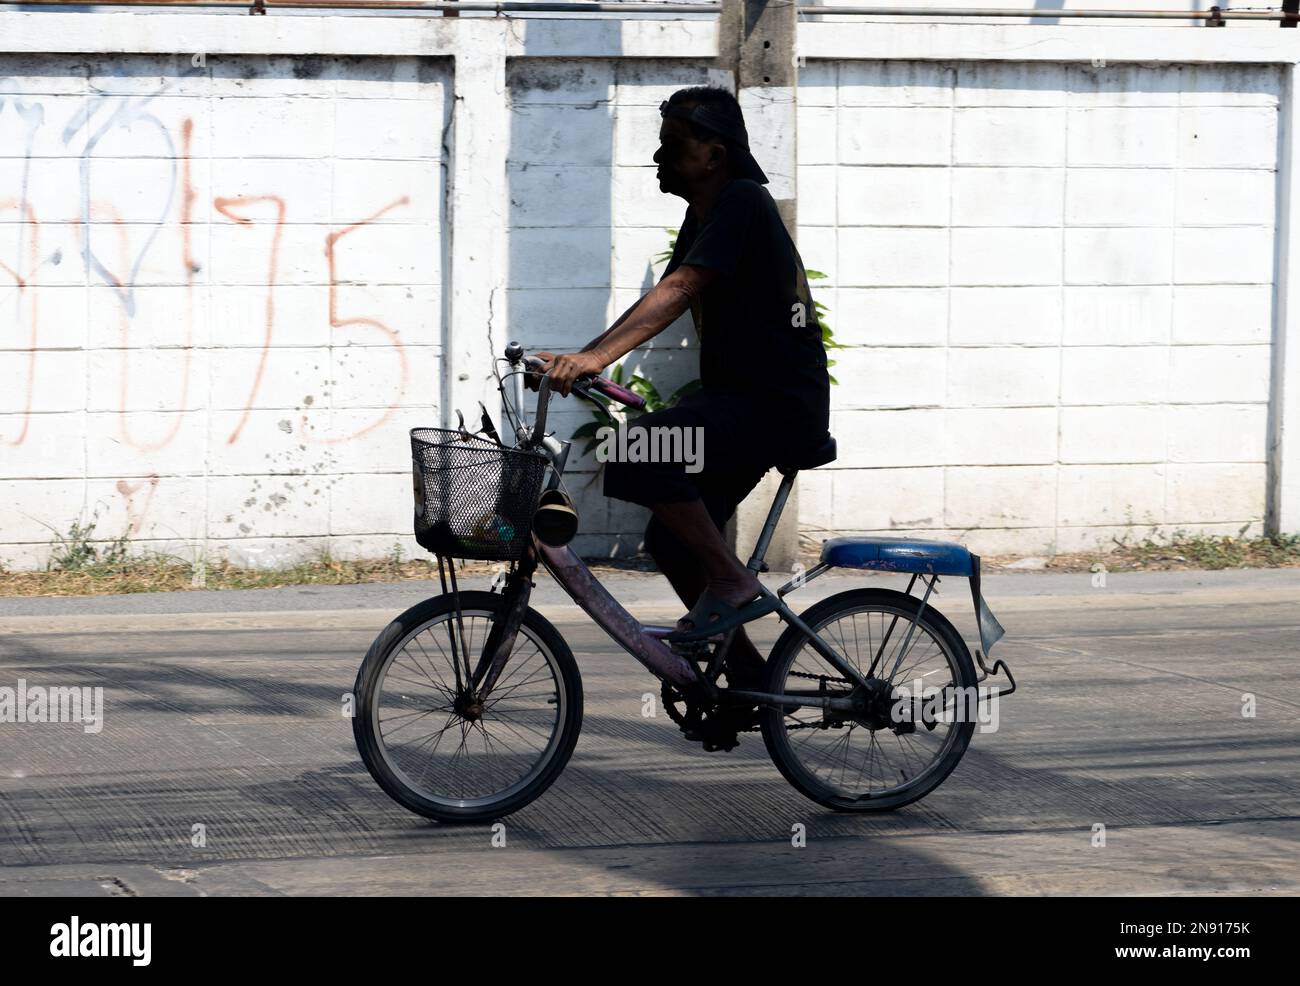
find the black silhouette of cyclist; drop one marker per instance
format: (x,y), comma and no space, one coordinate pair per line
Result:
(764,385)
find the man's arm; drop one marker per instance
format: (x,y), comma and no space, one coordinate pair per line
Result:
(621,319)
(661,306)
(547,357)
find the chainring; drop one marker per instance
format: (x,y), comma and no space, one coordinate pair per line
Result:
(680,709)
(697,721)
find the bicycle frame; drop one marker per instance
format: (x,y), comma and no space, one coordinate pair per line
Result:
(642,641)
(645,641)
(844,695)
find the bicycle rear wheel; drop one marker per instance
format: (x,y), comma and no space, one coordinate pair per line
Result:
(434,753)
(866,761)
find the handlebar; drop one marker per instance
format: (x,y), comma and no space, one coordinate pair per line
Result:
(602,385)
(582,386)
(616,392)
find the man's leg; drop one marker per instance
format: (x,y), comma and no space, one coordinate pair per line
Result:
(724,575)
(685,534)
(685,572)
(682,569)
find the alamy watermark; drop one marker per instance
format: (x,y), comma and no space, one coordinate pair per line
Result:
(37,703)
(98,939)
(656,443)
(929,705)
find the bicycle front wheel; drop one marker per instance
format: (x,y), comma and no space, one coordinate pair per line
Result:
(868,760)
(437,754)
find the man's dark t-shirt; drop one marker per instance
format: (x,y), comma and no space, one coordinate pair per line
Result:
(759,334)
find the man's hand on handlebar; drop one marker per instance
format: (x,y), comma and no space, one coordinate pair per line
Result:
(564,372)
(566,368)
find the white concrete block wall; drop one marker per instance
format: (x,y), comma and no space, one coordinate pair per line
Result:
(1057,282)
(221,289)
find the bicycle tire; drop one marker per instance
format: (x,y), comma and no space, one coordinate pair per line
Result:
(391,640)
(786,651)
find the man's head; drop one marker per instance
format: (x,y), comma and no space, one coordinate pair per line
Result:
(703,142)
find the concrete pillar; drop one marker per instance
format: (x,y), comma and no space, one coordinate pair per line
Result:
(474,150)
(1282,506)
(756,43)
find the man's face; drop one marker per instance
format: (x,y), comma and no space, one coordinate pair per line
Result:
(683,161)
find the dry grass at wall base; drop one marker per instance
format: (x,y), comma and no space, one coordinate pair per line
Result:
(159,573)
(80,565)
(1181,550)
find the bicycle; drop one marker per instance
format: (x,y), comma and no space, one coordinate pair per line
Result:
(476,498)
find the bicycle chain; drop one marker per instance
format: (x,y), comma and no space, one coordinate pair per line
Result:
(813,677)
(789,727)
(818,677)
(802,725)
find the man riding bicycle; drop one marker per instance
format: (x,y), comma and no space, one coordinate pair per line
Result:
(764,385)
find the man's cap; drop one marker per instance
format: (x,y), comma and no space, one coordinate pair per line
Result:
(732,131)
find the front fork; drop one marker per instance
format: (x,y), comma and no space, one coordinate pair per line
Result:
(500,641)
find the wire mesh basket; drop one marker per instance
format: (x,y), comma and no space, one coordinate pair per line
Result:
(473,498)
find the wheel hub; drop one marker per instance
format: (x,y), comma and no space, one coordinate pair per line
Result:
(468,707)
(873,704)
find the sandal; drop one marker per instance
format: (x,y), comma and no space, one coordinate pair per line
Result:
(727,616)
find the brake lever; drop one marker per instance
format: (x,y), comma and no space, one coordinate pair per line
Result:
(533,370)
(465,436)
(543,406)
(489,428)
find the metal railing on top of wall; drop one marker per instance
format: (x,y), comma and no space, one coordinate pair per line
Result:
(1214,17)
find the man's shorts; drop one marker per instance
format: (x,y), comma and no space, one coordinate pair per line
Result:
(737,450)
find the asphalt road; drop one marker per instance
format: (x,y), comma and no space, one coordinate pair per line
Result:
(222,710)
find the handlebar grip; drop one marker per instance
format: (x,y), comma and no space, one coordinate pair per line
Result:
(604,385)
(615,392)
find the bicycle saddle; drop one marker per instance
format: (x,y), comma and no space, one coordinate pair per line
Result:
(816,454)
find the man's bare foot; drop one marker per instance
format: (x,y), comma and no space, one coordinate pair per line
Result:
(734,591)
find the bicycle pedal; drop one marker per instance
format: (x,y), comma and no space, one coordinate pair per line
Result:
(715,737)
(722,746)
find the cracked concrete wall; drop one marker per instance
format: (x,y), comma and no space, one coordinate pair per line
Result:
(1055,285)
(225,287)
(221,288)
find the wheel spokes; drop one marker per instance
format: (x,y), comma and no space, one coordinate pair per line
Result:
(443,746)
(861,755)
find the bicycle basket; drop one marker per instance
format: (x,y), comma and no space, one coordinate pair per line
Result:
(473,499)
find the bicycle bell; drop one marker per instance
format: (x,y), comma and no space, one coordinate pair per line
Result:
(555,522)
